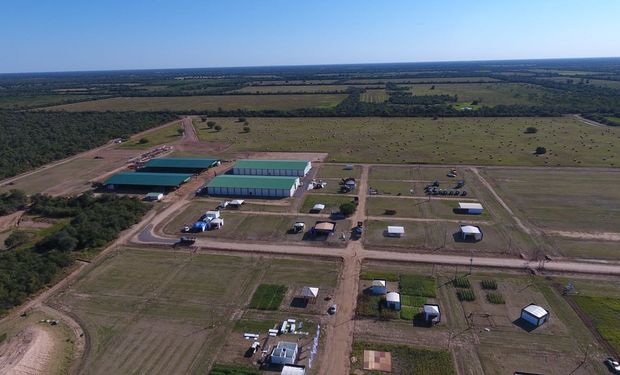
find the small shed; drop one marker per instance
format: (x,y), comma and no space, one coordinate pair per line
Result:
(534,315)
(154,197)
(392,301)
(471,232)
(309,293)
(378,287)
(470,208)
(324,227)
(216,223)
(318,207)
(285,353)
(395,231)
(431,313)
(212,215)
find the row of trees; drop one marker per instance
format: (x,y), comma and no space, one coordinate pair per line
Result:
(31,139)
(12,201)
(95,221)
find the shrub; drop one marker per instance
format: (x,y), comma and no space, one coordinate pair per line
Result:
(218,127)
(348,208)
(540,150)
(143,141)
(462,282)
(496,298)
(15,239)
(531,130)
(465,295)
(246,129)
(210,124)
(241,119)
(489,284)
(368,305)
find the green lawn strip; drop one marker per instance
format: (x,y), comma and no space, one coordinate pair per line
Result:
(254,326)
(222,369)
(605,315)
(416,285)
(389,276)
(268,297)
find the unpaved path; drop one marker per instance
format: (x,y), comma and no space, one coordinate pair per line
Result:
(28,353)
(601,236)
(10,221)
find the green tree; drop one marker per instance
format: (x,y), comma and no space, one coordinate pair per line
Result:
(241,119)
(210,124)
(531,130)
(540,150)
(246,129)
(218,128)
(143,141)
(15,239)
(348,209)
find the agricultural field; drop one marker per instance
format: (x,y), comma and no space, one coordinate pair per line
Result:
(164,135)
(21,102)
(565,201)
(489,94)
(158,311)
(261,89)
(337,171)
(205,103)
(374,96)
(481,141)
(491,337)
(332,202)
(423,80)
(435,208)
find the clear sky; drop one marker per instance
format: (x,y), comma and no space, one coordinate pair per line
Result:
(63,35)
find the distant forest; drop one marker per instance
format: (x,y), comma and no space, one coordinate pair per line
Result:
(31,139)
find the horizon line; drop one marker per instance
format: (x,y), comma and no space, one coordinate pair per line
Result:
(313,65)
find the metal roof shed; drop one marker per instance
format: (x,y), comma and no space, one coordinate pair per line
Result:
(180,164)
(145,179)
(297,168)
(471,231)
(392,300)
(534,315)
(248,186)
(395,231)
(470,208)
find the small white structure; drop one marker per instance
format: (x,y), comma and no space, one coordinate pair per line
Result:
(285,353)
(378,287)
(534,315)
(216,223)
(293,370)
(154,197)
(395,231)
(309,292)
(431,313)
(236,203)
(392,301)
(470,208)
(318,207)
(471,231)
(212,215)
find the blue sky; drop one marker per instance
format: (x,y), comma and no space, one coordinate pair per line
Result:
(64,35)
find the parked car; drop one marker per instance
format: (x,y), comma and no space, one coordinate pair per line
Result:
(613,365)
(332,309)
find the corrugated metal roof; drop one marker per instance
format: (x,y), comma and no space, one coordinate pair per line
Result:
(535,310)
(257,182)
(198,163)
(470,229)
(470,206)
(148,179)
(271,164)
(392,297)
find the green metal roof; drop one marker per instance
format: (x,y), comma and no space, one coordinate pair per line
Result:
(148,179)
(197,163)
(259,182)
(271,164)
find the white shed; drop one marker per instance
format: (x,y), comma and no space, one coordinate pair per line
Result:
(212,215)
(470,208)
(310,292)
(392,300)
(471,231)
(431,313)
(395,231)
(216,223)
(378,287)
(318,207)
(534,314)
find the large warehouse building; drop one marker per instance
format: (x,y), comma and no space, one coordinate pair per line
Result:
(253,186)
(148,180)
(179,165)
(297,168)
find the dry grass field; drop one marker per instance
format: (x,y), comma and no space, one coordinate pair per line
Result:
(485,141)
(204,103)
(262,89)
(489,94)
(160,312)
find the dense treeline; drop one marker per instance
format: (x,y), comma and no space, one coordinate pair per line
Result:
(31,139)
(95,221)
(12,201)
(604,118)
(407,98)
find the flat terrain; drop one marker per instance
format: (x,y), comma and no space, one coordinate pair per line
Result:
(489,94)
(262,89)
(19,102)
(487,141)
(205,103)
(161,312)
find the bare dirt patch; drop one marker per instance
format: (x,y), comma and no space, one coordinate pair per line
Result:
(29,352)
(9,221)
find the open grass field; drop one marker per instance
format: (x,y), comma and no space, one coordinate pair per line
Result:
(73,176)
(205,103)
(374,96)
(436,208)
(605,315)
(261,89)
(332,202)
(164,135)
(575,201)
(240,226)
(18,102)
(338,171)
(489,94)
(268,297)
(484,141)
(153,311)
(406,359)
(434,79)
